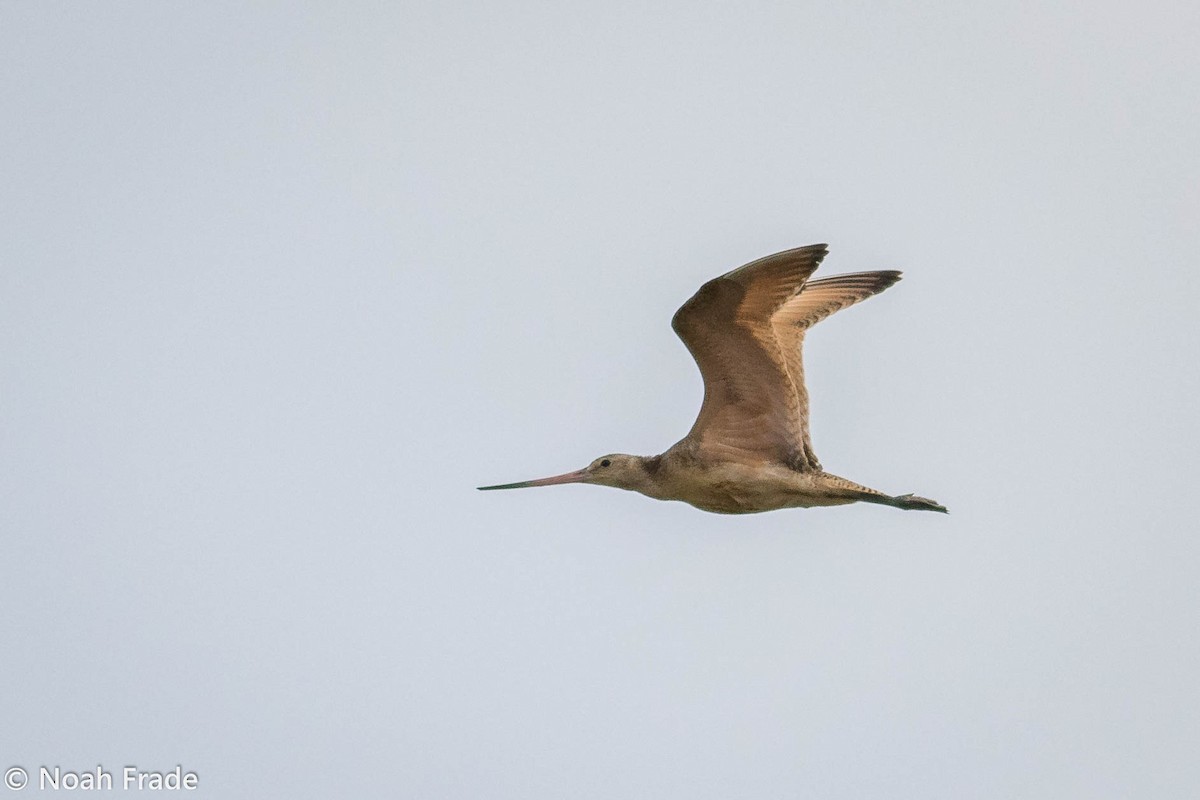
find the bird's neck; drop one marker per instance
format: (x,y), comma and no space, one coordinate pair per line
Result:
(648,480)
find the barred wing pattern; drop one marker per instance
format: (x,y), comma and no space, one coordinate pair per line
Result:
(745,330)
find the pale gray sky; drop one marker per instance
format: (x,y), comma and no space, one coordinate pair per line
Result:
(281,284)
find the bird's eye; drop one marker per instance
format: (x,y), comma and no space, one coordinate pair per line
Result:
(605,463)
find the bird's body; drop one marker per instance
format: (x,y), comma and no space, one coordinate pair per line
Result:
(738,486)
(749,449)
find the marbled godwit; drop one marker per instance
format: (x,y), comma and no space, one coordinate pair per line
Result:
(749,449)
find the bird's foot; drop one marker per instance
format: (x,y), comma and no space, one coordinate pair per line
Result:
(910,502)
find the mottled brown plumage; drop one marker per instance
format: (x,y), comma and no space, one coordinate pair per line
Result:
(750,449)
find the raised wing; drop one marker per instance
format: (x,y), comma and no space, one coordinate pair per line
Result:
(751,408)
(745,330)
(816,301)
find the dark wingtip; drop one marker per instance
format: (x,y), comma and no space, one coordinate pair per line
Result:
(888,277)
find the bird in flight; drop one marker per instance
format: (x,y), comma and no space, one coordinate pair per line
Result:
(749,449)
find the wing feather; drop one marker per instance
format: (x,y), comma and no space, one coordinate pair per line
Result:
(816,301)
(750,406)
(745,330)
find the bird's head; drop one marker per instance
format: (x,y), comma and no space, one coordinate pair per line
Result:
(616,469)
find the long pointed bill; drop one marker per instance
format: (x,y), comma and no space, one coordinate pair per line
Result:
(578,476)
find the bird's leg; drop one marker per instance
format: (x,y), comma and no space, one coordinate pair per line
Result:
(911,502)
